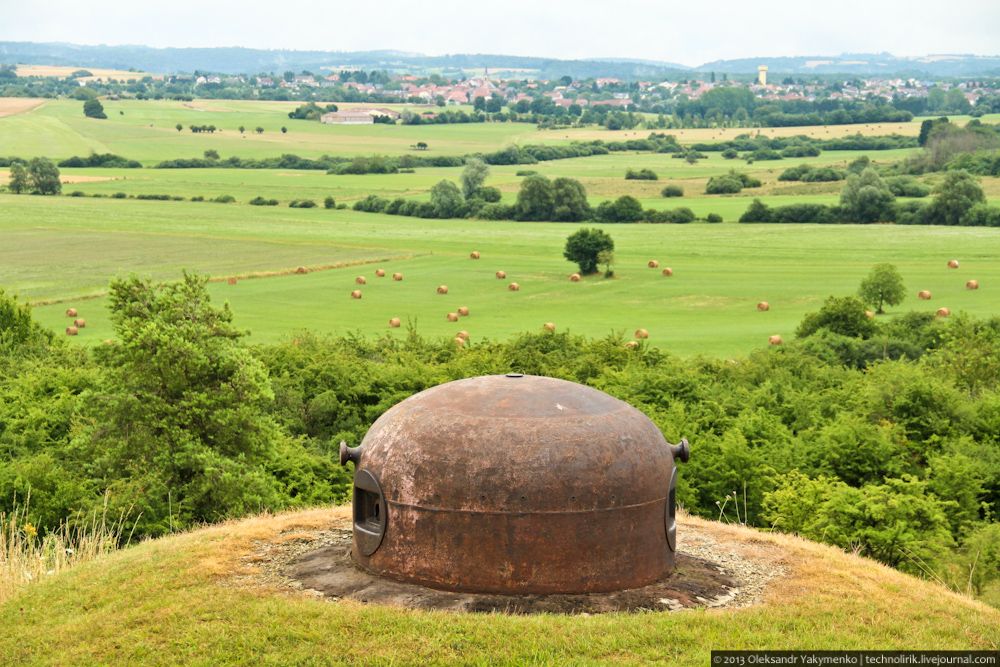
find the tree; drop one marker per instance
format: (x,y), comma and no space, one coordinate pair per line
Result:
(44,176)
(421,145)
(585,246)
(329,202)
(259,130)
(179,127)
(242,129)
(954,197)
(479,104)
(535,199)
(473,176)
(841,315)
(18,182)
(284,130)
(93,108)
(447,200)
(883,287)
(866,198)
(211,154)
(569,201)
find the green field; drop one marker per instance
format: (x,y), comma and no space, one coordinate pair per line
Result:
(65,249)
(62,251)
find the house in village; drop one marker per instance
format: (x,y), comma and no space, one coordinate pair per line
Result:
(358,116)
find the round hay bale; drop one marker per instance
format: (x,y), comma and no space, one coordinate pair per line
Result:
(380,273)
(870,314)
(667,272)
(397,276)
(452,317)
(513,287)
(464,335)
(394,323)
(72,331)
(361,280)
(459,341)
(302,269)
(71,312)
(763,306)
(501,275)
(631,345)
(356,294)
(972,284)
(463,311)
(231,281)
(943,312)
(80,323)
(641,334)
(549,326)
(574,277)
(653,264)
(474,254)
(775,340)
(924,295)
(952,263)
(442,289)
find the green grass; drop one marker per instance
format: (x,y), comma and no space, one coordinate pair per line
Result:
(67,248)
(193,598)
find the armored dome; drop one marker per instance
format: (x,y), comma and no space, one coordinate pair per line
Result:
(515,484)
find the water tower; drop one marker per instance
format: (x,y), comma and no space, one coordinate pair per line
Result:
(762,75)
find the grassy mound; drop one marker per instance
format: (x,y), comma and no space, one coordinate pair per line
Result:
(198,597)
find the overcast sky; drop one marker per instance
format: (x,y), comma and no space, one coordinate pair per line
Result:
(689,32)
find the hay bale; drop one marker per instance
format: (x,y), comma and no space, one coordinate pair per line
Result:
(549,326)
(394,323)
(763,306)
(501,275)
(641,334)
(302,269)
(463,311)
(952,263)
(574,277)
(870,314)
(667,272)
(356,294)
(71,312)
(464,335)
(943,312)
(513,287)
(380,273)
(474,254)
(231,281)
(361,280)
(80,323)
(442,289)
(631,345)
(972,284)
(397,276)
(653,264)
(775,340)
(459,341)
(452,317)
(924,295)
(71,331)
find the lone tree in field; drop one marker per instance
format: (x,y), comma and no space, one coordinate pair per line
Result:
(585,248)
(284,130)
(18,182)
(44,177)
(179,127)
(92,108)
(883,287)
(242,129)
(259,130)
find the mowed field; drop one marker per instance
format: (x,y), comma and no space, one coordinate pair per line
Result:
(58,252)
(65,249)
(146,131)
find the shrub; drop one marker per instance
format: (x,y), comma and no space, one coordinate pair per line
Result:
(329,202)
(907,186)
(302,203)
(624,209)
(197,198)
(672,191)
(77,193)
(680,215)
(119,195)
(224,199)
(371,204)
(526,172)
(723,185)
(496,211)
(730,154)
(713,217)
(260,201)
(641,175)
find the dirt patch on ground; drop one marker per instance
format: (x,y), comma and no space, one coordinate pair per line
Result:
(711,572)
(10,106)
(80,178)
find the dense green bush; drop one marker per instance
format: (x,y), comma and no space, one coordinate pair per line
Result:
(261,201)
(302,203)
(641,175)
(672,191)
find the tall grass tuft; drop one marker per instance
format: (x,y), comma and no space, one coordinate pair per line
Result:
(27,556)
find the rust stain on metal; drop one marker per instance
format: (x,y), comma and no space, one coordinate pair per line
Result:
(515,484)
